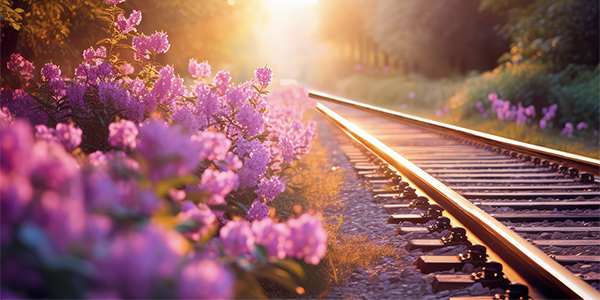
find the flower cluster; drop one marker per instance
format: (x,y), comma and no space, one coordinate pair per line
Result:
(151,154)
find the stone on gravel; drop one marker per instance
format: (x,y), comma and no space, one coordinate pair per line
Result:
(374,278)
(467,268)
(394,279)
(405,273)
(546,236)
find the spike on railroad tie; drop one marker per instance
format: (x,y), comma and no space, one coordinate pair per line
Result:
(553,167)
(586,178)
(545,164)
(563,169)
(476,255)
(441,224)
(457,237)
(506,152)
(488,148)
(432,213)
(527,158)
(514,154)
(573,173)
(491,276)
(537,161)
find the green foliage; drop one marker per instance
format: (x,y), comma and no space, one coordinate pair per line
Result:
(575,90)
(557,32)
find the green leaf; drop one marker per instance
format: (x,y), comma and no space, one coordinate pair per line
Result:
(190,225)
(260,253)
(280,277)
(162,188)
(292,267)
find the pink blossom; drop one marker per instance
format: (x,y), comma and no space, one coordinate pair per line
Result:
(308,238)
(222,81)
(252,121)
(272,235)
(168,86)
(263,76)
(126,69)
(127,25)
(358,67)
(258,211)
(198,70)
(144,45)
(230,162)
(411,95)
(446,109)
(114,2)
(20,65)
(50,71)
(213,145)
(123,134)
(237,238)
(176,195)
(205,279)
(492,97)
(438,113)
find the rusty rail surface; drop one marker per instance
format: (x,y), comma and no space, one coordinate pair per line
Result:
(541,271)
(582,163)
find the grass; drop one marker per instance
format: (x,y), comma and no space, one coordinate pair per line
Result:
(313,185)
(431,95)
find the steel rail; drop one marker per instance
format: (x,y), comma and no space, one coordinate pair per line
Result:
(541,271)
(582,163)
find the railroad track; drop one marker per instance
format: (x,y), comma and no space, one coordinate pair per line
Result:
(535,210)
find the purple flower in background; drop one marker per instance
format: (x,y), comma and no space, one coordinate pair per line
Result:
(219,184)
(263,76)
(19,103)
(185,114)
(237,238)
(50,71)
(492,97)
(45,133)
(411,95)
(270,188)
(272,235)
(69,136)
(358,67)
(222,80)
(199,70)
(543,124)
(207,105)
(287,149)
(237,96)
(123,134)
(308,238)
(568,130)
(205,279)
(438,113)
(254,167)
(530,111)
(200,213)
(581,126)
(446,109)
(258,211)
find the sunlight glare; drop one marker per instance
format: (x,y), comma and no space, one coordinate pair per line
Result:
(277,7)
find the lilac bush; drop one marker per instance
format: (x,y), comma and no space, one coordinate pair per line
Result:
(132,186)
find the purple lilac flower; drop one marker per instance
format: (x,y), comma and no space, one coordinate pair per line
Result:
(205,279)
(110,93)
(114,2)
(127,25)
(252,121)
(50,71)
(123,134)
(263,76)
(69,136)
(213,145)
(75,92)
(237,96)
(237,238)
(185,114)
(270,188)
(221,81)
(199,70)
(543,124)
(135,261)
(200,213)
(207,105)
(568,130)
(254,166)
(169,151)
(45,133)
(19,103)
(143,45)
(287,149)
(20,65)
(219,184)
(446,109)
(581,126)
(308,238)
(479,106)
(6,117)
(258,211)
(168,86)
(272,235)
